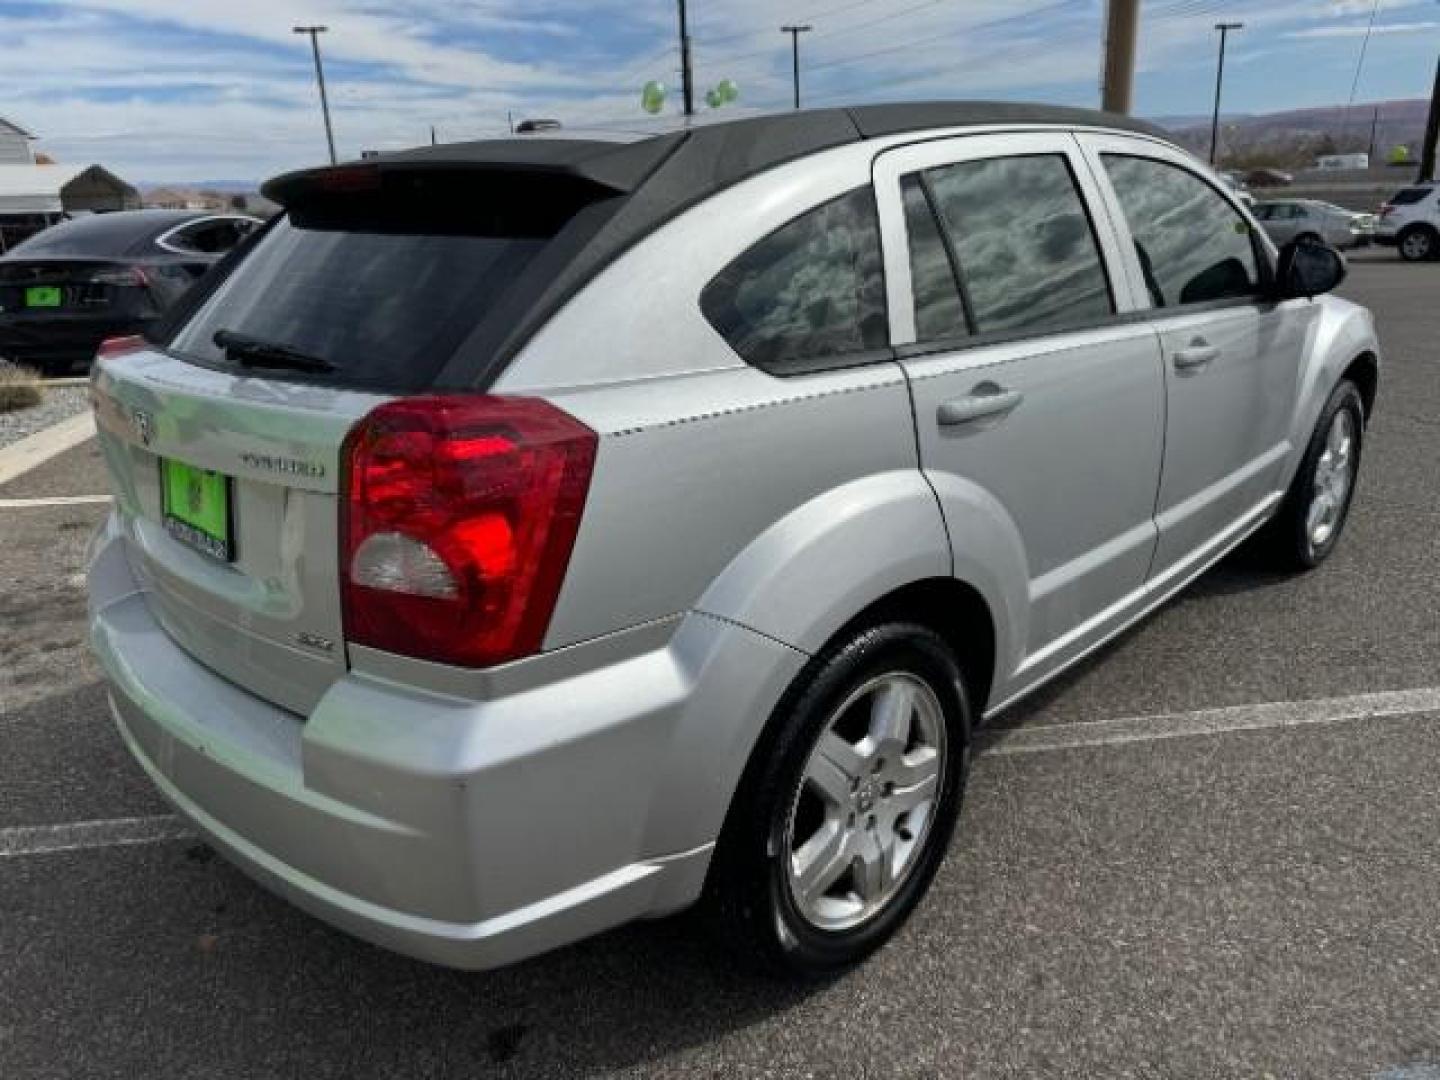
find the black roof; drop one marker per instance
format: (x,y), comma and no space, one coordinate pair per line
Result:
(108,235)
(636,186)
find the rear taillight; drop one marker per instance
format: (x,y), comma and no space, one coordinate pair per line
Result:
(458,521)
(1385,210)
(110,348)
(119,275)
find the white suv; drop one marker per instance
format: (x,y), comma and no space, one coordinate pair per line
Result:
(1411,222)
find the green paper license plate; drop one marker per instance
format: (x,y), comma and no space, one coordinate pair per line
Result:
(44,296)
(196,506)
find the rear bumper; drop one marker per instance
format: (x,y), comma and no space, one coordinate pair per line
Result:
(467,834)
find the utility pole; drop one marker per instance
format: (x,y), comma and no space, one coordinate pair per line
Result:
(1432,131)
(1374,133)
(315,32)
(1224,28)
(687,75)
(795,32)
(1121,30)
(432,134)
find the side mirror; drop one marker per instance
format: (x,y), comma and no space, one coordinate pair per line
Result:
(1309,270)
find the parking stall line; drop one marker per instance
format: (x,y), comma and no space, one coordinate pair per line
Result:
(83,835)
(55,500)
(1391,704)
(1235,718)
(20,457)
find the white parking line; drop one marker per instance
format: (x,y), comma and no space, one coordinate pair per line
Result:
(1278,714)
(20,457)
(54,500)
(82,835)
(123,832)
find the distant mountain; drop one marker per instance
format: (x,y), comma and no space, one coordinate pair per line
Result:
(1295,138)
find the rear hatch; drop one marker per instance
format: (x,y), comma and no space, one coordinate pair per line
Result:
(224,439)
(47,290)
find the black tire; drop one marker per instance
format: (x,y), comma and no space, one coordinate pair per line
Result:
(748,896)
(1291,541)
(1418,243)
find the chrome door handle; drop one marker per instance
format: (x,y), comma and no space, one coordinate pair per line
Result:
(1196,355)
(985,400)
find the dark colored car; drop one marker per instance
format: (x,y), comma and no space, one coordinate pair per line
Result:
(68,288)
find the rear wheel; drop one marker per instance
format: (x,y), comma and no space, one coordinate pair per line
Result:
(1419,243)
(1310,521)
(848,805)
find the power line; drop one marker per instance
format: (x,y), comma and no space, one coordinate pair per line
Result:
(1359,69)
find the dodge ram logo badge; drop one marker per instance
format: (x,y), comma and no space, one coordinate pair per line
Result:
(144,425)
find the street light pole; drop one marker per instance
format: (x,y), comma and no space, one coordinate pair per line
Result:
(687,73)
(1122,22)
(315,32)
(795,32)
(1224,28)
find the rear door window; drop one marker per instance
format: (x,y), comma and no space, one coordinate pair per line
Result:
(1193,245)
(1022,242)
(810,294)
(212,237)
(939,307)
(1411,196)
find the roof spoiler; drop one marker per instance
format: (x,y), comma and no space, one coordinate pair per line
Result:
(609,168)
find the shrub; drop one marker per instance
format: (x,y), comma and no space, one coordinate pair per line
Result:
(20,388)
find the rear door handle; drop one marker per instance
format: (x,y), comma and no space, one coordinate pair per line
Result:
(986,400)
(1197,354)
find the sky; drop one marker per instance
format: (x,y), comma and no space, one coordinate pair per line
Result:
(223,90)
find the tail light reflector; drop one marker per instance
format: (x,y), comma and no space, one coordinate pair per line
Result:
(119,346)
(459,516)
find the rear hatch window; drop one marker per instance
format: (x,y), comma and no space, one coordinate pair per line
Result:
(374,279)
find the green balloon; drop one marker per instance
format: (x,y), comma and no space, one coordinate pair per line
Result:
(712,98)
(728,91)
(652,96)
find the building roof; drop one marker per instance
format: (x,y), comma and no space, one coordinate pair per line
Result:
(34,189)
(15,127)
(38,189)
(639,184)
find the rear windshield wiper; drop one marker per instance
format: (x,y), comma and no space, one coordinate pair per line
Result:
(257,353)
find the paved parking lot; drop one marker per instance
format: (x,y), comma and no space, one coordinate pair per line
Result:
(1163,870)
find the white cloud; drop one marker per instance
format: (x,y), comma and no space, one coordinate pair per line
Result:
(1360,29)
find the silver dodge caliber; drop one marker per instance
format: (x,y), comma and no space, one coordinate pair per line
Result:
(517,538)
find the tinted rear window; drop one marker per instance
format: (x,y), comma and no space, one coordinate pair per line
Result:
(102,234)
(1411,195)
(384,284)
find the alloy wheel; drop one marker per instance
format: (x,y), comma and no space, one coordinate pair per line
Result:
(1334,477)
(861,817)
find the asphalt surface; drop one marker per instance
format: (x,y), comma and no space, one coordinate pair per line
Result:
(1251,903)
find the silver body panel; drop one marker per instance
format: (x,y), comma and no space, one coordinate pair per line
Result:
(735,522)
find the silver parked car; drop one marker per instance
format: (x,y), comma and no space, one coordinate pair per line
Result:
(1315,222)
(518,538)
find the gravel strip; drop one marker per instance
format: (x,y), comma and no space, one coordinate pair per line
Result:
(60,403)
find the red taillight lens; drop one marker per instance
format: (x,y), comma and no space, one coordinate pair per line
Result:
(460,514)
(1385,210)
(119,275)
(119,346)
